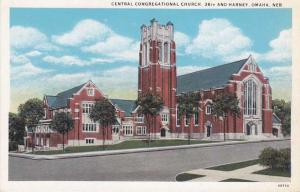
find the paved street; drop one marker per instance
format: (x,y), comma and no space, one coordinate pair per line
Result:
(146,166)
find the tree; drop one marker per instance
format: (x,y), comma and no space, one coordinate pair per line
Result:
(62,123)
(16,131)
(188,104)
(32,112)
(223,105)
(283,110)
(149,105)
(105,113)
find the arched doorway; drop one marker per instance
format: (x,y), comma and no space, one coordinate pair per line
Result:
(251,128)
(275,132)
(163,132)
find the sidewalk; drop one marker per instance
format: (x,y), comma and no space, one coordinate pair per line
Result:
(126,151)
(243,173)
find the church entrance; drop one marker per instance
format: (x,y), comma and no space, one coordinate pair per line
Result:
(163,132)
(251,128)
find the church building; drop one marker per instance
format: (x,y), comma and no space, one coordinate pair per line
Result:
(157,74)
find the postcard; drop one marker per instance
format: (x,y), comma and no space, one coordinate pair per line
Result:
(149,95)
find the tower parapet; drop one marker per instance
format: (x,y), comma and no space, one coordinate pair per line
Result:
(159,38)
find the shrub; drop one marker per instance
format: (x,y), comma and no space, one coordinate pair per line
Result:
(276,159)
(268,157)
(13,145)
(284,159)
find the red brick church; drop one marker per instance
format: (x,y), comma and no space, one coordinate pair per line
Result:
(157,73)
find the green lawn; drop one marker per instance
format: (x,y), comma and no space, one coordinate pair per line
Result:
(274,172)
(234,166)
(187,176)
(236,180)
(132,144)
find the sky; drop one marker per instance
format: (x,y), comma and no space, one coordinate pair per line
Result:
(56,49)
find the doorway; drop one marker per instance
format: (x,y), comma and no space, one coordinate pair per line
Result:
(163,132)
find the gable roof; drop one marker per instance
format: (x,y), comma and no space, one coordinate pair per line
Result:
(61,99)
(214,77)
(126,105)
(275,119)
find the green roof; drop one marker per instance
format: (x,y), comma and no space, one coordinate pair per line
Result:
(214,77)
(125,105)
(61,99)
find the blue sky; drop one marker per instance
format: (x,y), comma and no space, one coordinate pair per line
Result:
(55,49)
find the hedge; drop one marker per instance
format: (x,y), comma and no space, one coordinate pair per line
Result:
(276,159)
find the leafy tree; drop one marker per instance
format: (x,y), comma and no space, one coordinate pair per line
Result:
(16,131)
(149,105)
(32,112)
(62,123)
(223,105)
(283,110)
(188,104)
(105,113)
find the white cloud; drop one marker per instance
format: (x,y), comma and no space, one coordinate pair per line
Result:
(117,47)
(97,38)
(66,60)
(25,37)
(101,60)
(18,59)
(181,39)
(26,70)
(189,69)
(218,38)
(34,53)
(75,78)
(28,37)
(74,60)
(279,71)
(281,48)
(86,31)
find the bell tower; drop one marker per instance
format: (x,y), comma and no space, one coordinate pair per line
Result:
(157,70)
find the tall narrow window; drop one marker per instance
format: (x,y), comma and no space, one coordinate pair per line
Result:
(165,117)
(196,118)
(160,51)
(186,121)
(250,97)
(166,51)
(145,54)
(208,109)
(177,117)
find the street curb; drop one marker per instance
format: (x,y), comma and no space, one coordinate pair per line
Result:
(128,151)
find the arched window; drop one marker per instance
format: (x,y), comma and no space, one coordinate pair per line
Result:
(166,50)
(250,97)
(160,51)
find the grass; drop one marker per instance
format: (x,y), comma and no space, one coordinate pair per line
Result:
(274,172)
(234,166)
(236,180)
(132,144)
(187,176)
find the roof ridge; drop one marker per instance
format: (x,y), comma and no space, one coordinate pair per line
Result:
(213,67)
